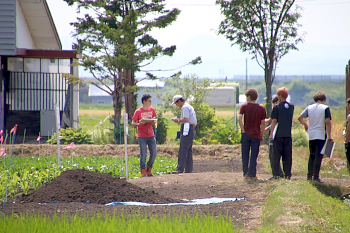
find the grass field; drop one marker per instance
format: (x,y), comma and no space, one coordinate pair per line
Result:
(92,115)
(117,223)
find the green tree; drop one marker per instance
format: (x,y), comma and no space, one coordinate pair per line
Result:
(84,94)
(267,29)
(114,40)
(161,129)
(194,92)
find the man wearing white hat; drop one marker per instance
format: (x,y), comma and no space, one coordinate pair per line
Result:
(188,121)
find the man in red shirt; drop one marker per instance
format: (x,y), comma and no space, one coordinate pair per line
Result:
(252,132)
(145,134)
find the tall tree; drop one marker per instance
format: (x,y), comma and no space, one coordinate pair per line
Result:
(267,29)
(195,92)
(113,37)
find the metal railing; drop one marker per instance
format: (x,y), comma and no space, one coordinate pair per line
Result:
(36,91)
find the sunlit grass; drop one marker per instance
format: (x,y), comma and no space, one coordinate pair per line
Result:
(298,206)
(91,112)
(118,222)
(91,115)
(108,107)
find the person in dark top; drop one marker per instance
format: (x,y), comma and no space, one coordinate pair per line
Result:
(268,131)
(347,134)
(252,132)
(281,134)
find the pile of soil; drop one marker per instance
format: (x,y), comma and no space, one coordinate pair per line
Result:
(90,187)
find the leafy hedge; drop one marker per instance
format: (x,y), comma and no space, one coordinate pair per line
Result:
(69,135)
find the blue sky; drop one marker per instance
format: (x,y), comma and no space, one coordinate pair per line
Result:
(326,49)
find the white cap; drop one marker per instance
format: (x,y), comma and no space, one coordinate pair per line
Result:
(176,98)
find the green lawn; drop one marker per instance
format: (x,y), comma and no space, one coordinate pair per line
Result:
(92,115)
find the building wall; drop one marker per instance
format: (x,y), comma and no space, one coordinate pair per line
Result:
(2,97)
(24,37)
(7,27)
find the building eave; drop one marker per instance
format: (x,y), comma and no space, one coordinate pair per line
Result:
(47,53)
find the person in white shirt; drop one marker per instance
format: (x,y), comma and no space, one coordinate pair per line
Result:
(319,128)
(188,121)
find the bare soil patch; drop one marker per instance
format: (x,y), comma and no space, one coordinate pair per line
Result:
(217,173)
(90,187)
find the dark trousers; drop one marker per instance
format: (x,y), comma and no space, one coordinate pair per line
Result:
(185,159)
(280,171)
(315,158)
(282,147)
(249,146)
(347,153)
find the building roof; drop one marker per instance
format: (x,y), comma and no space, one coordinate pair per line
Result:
(151,83)
(95,91)
(41,24)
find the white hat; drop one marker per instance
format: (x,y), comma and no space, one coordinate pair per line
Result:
(176,98)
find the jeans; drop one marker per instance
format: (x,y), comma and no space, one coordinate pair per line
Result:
(315,159)
(151,142)
(249,145)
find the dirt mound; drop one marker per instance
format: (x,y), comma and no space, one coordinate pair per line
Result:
(85,186)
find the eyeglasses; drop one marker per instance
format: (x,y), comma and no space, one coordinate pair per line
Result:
(149,101)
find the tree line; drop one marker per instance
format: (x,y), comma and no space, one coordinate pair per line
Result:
(115,41)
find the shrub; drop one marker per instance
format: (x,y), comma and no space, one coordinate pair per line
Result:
(70,135)
(132,136)
(300,137)
(102,135)
(162,129)
(206,120)
(225,133)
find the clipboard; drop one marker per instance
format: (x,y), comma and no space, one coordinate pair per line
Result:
(274,131)
(149,119)
(328,148)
